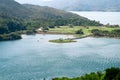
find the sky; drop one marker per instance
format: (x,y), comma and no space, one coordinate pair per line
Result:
(32,1)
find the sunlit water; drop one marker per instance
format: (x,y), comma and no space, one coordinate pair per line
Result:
(103,17)
(34,58)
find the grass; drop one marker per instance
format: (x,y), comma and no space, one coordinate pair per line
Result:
(68,30)
(87,31)
(62,41)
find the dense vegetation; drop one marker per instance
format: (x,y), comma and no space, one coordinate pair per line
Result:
(108,74)
(79,32)
(8,25)
(105,33)
(10,36)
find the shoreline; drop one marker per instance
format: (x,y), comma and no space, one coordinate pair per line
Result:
(71,34)
(74,35)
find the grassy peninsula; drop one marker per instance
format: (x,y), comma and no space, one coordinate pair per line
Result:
(83,31)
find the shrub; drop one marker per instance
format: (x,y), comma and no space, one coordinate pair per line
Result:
(79,31)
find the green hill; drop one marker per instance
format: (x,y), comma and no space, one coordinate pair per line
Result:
(13,8)
(48,12)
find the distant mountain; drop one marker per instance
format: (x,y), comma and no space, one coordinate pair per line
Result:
(84,5)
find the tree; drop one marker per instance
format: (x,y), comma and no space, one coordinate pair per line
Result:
(112,73)
(3,29)
(79,31)
(44,29)
(52,26)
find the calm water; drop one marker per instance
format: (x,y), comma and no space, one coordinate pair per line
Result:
(103,17)
(34,58)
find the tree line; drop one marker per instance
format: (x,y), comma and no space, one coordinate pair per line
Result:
(105,33)
(108,74)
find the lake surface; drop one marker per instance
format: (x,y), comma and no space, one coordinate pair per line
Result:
(34,58)
(103,17)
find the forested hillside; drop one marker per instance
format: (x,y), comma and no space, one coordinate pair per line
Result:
(54,17)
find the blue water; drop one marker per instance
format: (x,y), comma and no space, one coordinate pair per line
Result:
(34,58)
(103,17)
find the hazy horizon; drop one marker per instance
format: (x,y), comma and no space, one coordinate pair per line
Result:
(37,2)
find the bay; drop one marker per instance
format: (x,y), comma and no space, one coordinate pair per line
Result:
(34,58)
(112,18)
